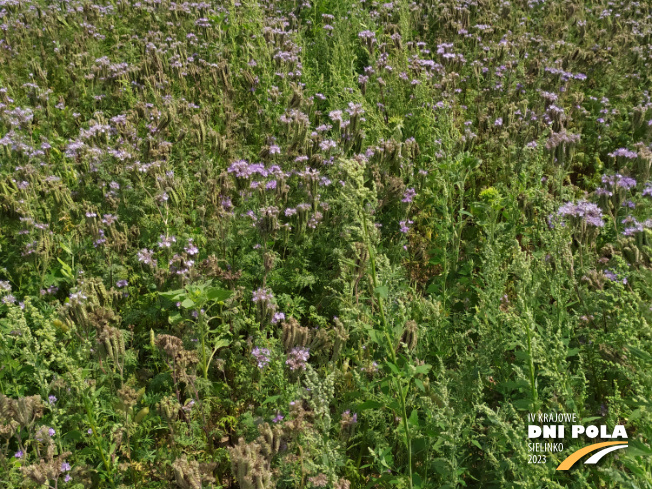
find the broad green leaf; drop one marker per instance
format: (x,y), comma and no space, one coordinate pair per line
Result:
(382,292)
(393,367)
(174,318)
(217,294)
(423,369)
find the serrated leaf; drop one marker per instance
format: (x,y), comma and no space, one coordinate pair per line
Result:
(413,420)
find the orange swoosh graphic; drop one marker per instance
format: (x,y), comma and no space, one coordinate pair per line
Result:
(575,456)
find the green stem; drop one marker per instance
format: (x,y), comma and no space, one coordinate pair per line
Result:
(392,353)
(531,364)
(98,444)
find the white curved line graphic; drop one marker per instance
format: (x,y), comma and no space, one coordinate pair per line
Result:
(596,457)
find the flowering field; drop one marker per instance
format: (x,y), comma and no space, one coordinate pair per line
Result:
(343,244)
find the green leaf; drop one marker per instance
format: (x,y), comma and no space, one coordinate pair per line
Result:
(477,444)
(382,292)
(73,436)
(174,318)
(188,303)
(393,367)
(417,482)
(221,343)
(270,399)
(590,419)
(423,369)
(413,420)
(172,295)
(441,466)
(369,405)
(639,449)
(572,352)
(217,294)
(522,404)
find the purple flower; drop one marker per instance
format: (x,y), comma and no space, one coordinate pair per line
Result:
(166,241)
(278,317)
(327,145)
(262,356)
(297,358)
(67,478)
(625,153)
(109,219)
(262,295)
(409,195)
(279,417)
(240,168)
(335,115)
(625,182)
(19,454)
(52,400)
(51,432)
(145,256)
(121,283)
(405,226)
(65,467)
(589,212)
(191,249)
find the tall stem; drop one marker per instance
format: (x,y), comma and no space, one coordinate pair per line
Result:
(390,346)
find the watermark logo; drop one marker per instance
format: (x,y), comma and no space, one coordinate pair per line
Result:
(606,447)
(552,426)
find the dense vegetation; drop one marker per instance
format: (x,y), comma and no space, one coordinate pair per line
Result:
(342,244)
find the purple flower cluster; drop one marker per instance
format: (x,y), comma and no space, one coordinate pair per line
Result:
(409,195)
(262,356)
(297,358)
(146,256)
(262,295)
(618,181)
(624,153)
(613,276)
(589,212)
(405,226)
